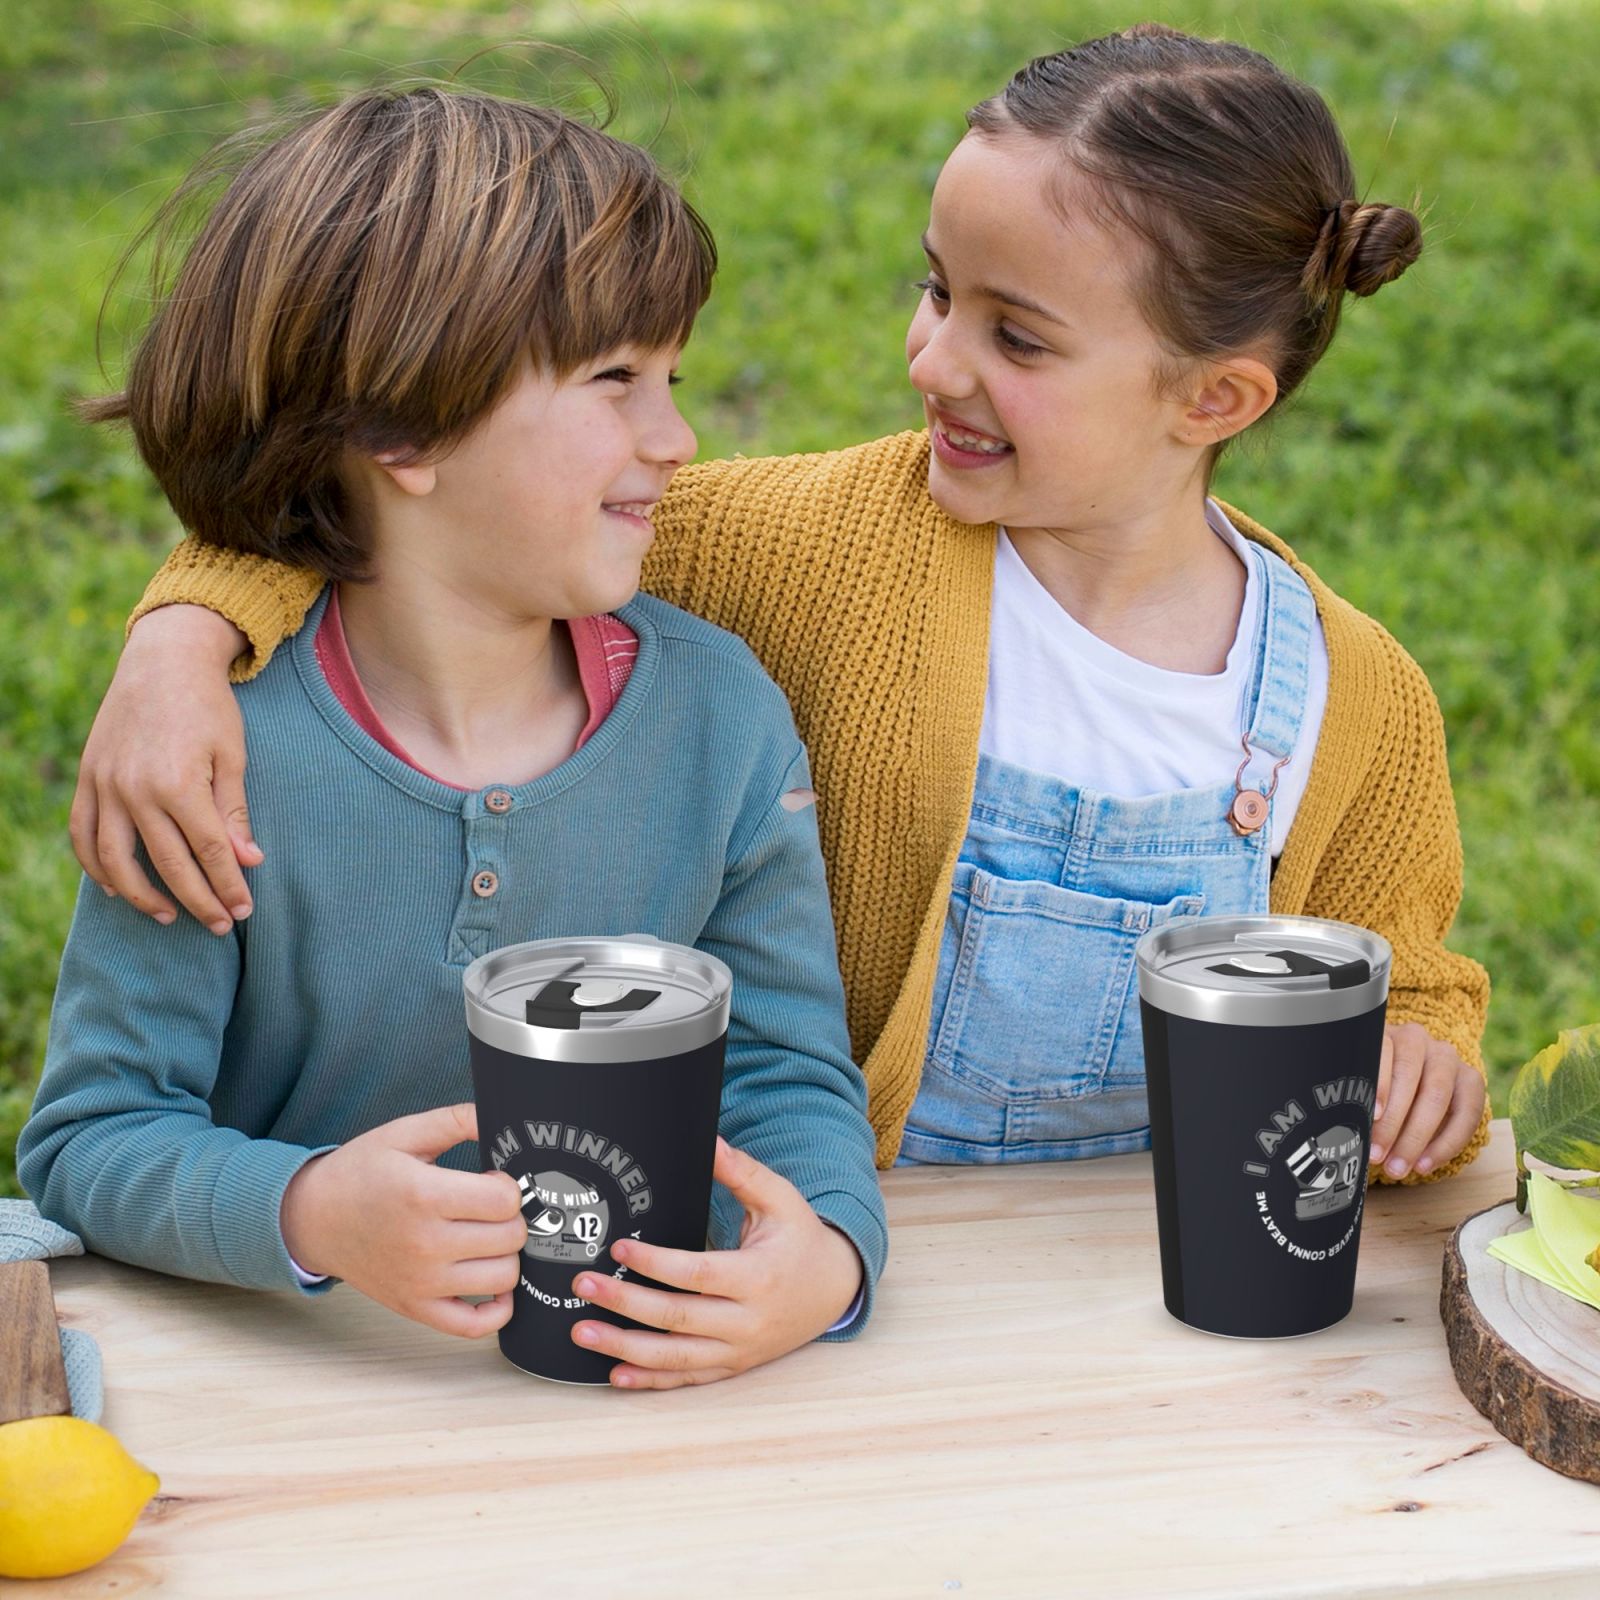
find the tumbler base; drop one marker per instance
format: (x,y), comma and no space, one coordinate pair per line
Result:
(1254,1338)
(571,1383)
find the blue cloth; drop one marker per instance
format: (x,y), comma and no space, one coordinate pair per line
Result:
(27,1236)
(189,1077)
(1035,1049)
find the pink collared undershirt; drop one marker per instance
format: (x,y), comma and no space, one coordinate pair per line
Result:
(605,646)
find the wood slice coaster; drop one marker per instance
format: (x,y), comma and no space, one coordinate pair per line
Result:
(1527,1356)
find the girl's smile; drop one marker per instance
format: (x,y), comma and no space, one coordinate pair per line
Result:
(960,445)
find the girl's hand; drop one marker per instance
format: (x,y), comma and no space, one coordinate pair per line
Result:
(165,760)
(413,1236)
(791,1278)
(1429,1102)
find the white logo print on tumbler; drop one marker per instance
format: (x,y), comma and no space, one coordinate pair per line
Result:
(1259,1210)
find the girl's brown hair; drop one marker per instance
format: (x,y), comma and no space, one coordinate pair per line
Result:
(375,279)
(1235,175)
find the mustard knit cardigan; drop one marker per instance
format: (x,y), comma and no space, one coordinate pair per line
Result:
(870,607)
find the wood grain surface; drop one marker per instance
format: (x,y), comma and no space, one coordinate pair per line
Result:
(1021,1419)
(33,1376)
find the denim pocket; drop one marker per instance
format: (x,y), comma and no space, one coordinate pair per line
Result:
(1039,1013)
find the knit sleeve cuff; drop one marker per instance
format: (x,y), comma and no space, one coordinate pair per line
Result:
(864,1229)
(246,1216)
(264,599)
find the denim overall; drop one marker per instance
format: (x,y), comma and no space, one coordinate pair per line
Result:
(1035,1050)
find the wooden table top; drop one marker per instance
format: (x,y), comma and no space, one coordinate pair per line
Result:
(1021,1418)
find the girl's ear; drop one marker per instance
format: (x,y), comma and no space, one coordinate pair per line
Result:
(409,477)
(1236,393)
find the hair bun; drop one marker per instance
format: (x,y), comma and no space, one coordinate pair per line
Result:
(1384,241)
(1361,248)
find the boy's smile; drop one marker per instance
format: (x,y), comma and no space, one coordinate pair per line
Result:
(637,512)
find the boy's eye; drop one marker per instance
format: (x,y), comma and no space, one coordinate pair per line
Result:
(934,290)
(630,375)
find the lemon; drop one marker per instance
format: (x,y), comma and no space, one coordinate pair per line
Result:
(69,1495)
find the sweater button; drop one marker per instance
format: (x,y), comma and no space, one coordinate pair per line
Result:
(485,884)
(497,801)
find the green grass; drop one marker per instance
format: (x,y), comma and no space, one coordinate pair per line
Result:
(1437,469)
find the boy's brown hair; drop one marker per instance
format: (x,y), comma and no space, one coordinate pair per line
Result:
(376,279)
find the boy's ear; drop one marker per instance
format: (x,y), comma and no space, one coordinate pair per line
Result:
(409,477)
(1235,393)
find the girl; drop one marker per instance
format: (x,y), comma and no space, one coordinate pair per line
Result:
(1055,693)
(423,345)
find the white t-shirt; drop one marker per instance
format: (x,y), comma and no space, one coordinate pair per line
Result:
(1064,702)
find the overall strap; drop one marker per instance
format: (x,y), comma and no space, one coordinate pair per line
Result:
(1278,688)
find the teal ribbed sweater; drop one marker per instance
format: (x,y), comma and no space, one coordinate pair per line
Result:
(188,1077)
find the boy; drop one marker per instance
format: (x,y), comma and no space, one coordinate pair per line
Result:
(424,344)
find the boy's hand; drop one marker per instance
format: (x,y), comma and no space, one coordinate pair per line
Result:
(791,1278)
(412,1236)
(1429,1102)
(165,760)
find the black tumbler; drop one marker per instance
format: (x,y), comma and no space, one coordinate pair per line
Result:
(1262,1042)
(597,1071)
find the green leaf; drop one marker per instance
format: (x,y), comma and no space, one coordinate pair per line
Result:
(1555,1102)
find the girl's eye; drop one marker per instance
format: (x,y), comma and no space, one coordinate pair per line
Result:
(1018,347)
(1008,341)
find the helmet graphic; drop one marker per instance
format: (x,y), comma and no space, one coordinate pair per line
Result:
(567,1221)
(1327,1168)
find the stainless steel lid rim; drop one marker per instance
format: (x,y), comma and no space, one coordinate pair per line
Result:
(1282,1011)
(608,1048)
(1207,946)
(697,978)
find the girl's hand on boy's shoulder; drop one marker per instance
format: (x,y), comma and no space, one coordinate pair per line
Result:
(1429,1102)
(413,1236)
(791,1279)
(165,763)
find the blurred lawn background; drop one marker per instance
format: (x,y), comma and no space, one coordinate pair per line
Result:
(1438,469)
